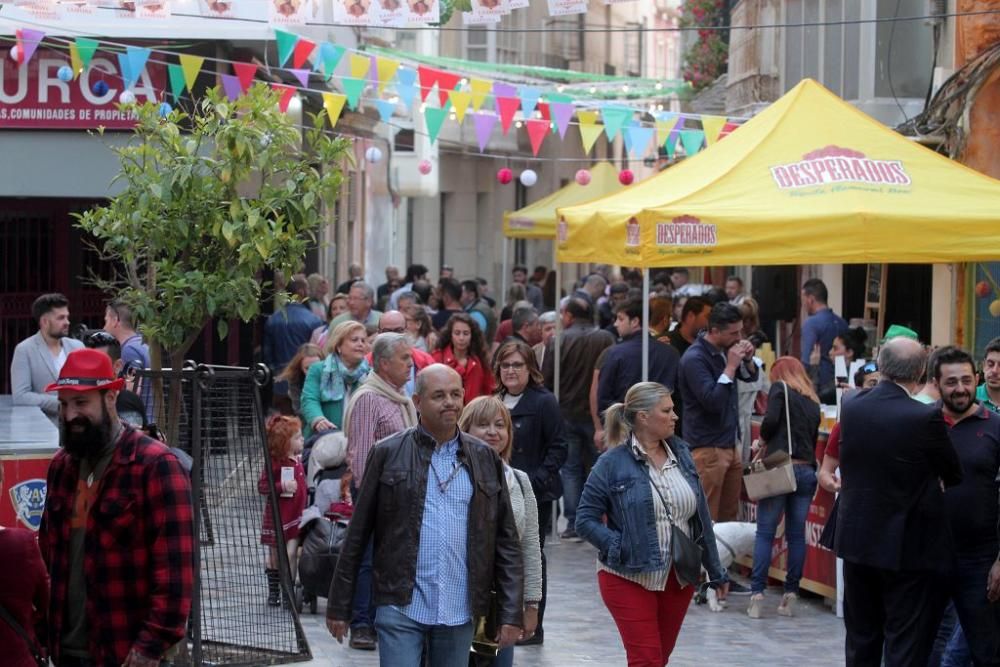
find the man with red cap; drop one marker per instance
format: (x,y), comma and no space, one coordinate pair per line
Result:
(117,531)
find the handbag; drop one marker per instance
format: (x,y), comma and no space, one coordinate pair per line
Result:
(33,648)
(685,554)
(773,475)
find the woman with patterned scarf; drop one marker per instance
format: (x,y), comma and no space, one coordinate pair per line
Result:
(329,383)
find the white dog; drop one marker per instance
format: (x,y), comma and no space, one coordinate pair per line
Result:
(734,539)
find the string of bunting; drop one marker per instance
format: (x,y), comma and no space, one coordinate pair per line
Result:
(388,83)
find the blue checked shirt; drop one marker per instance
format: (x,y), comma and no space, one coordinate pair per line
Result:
(441,589)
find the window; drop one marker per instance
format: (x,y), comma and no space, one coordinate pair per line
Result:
(477,44)
(633,49)
(912,44)
(510,45)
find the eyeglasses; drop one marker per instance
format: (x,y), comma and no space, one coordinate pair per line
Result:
(99,339)
(513,366)
(398,330)
(870,367)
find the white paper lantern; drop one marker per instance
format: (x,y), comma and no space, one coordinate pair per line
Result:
(528,178)
(373,154)
(127,97)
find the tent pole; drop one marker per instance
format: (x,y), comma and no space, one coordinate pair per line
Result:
(557,344)
(645,324)
(506,270)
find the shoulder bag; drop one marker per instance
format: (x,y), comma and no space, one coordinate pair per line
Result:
(33,648)
(685,554)
(772,475)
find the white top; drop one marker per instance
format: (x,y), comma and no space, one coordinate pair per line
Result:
(60,359)
(525,510)
(511,401)
(669,482)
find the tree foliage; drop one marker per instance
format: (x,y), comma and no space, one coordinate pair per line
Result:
(706,59)
(211,199)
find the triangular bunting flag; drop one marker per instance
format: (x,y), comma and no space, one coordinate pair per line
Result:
(589,134)
(387,69)
(191,65)
(614,119)
(460,102)
(587,117)
(537,129)
(712,126)
(231,84)
(562,112)
(671,144)
(692,141)
(303,49)
(286,95)
(329,57)
(428,77)
(126,71)
(353,89)
(302,75)
(286,45)
(405,88)
(385,109)
(626,137)
(28,41)
(529,99)
(543,108)
(447,82)
(664,124)
(74,58)
(484,123)
(434,118)
(86,47)
(728,129)
(334,104)
(507,107)
(373,71)
(480,90)
(501,89)
(137,58)
(640,138)
(245,72)
(176,75)
(359,66)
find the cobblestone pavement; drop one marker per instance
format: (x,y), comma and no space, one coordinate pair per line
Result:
(579,630)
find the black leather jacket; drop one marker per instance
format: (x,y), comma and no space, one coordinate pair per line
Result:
(390,507)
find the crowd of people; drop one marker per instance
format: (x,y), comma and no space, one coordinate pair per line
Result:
(457,454)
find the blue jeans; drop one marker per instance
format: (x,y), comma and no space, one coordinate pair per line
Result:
(401,641)
(979,618)
(795,507)
(580,456)
(956,652)
(362,612)
(505,657)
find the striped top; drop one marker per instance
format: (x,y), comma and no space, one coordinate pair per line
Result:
(668,483)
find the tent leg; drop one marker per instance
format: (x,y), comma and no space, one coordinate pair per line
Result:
(645,324)
(557,346)
(502,296)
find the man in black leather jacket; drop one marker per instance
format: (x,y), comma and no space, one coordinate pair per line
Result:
(431,576)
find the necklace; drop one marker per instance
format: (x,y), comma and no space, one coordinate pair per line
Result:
(443,485)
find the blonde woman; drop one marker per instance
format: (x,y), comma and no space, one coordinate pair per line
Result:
(329,383)
(487,418)
(643,484)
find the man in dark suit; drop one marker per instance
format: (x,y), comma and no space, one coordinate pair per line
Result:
(892,528)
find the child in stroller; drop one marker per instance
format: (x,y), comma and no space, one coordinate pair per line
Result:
(324,522)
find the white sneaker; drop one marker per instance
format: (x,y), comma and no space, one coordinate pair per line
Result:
(787,606)
(756,602)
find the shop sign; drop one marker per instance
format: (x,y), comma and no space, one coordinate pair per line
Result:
(33,97)
(836,165)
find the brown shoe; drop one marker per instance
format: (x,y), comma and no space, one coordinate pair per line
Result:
(363,638)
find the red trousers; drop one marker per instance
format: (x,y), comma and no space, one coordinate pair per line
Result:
(648,621)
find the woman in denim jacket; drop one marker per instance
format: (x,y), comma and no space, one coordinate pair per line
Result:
(633,484)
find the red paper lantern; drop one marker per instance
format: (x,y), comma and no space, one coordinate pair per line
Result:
(505,176)
(625,177)
(582,177)
(424,167)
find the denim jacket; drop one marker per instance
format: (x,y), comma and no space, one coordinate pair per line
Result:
(619,487)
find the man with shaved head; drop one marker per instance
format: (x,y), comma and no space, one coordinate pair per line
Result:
(434,502)
(892,528)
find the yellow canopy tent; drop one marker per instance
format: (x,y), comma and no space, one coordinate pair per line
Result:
(810,179)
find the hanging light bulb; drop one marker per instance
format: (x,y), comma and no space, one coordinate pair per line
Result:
(593,89)
(519,125)
(625,88)
(560,88)
(658,86)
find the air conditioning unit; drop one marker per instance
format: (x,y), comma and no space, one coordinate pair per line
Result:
(409,150)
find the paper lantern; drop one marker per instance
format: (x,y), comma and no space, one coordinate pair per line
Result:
(424,167)
(505,176)
(583,177)
(165,109)
(373,154)
(127,97)
(100,88)
(65,73)
(528,178)
(983,289)
(15,53)
(625,177)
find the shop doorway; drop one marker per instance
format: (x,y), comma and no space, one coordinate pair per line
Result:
(907,297)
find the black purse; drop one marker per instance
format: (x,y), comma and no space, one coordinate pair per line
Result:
(685,554)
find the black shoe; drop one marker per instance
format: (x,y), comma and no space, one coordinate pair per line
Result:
(363,638)
(273,589)
(534,640)
(569,535)
(737,588)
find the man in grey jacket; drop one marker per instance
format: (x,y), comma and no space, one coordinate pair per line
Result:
(39,358)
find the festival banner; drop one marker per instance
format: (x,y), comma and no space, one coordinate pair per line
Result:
(217,9)
(287,12)
(352,12)
(424,11)
(567,7)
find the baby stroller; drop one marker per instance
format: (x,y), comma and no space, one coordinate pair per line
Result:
(324,523)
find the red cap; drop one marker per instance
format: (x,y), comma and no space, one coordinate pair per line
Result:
(87,370)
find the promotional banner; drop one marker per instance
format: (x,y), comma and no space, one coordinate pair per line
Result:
(33,96)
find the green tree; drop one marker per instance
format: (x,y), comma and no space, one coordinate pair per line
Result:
(212,199)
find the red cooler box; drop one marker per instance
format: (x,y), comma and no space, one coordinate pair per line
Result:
(28,439)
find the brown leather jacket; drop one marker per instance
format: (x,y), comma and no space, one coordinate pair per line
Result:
(390,507)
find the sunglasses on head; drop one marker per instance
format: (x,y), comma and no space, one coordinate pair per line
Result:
(99,339)
(870,367)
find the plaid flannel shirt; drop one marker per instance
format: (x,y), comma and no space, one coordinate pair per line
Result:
(139,551)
